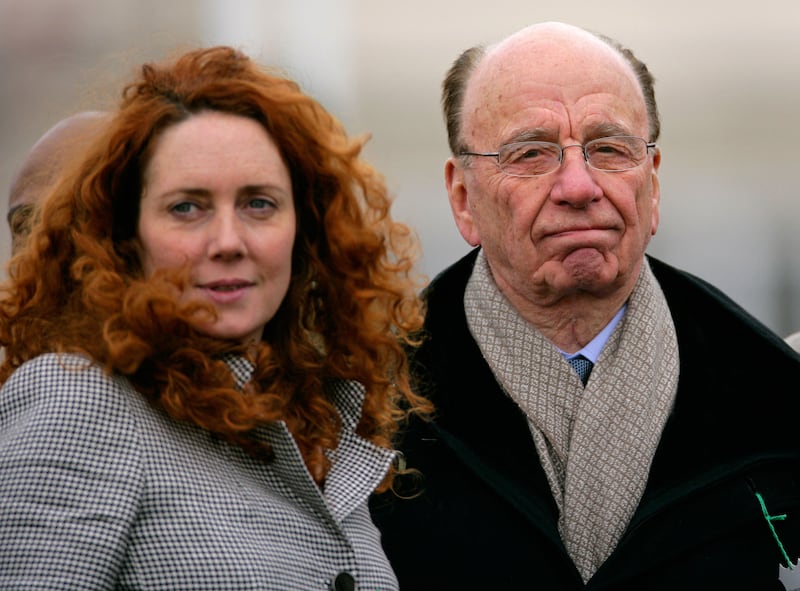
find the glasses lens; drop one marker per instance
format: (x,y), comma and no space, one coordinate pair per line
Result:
(616,153)
(529,158)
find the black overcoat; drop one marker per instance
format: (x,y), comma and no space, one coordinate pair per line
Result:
(482,515)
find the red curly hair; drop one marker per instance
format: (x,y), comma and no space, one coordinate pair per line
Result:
(352,302)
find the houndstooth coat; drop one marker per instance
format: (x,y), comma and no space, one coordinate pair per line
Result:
(100,490)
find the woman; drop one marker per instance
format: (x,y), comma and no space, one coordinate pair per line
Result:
(203,348)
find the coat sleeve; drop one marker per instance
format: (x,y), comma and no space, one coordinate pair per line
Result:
(71,476)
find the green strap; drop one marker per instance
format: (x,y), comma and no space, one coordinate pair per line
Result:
(770,519)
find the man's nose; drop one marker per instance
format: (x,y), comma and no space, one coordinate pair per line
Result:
(575,184)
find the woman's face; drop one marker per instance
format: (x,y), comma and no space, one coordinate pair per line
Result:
(218,196)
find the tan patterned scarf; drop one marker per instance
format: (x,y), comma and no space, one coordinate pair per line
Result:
(595,444)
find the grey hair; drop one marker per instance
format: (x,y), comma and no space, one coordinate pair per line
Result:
(453,89)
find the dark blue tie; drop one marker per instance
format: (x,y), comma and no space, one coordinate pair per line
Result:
(583,366)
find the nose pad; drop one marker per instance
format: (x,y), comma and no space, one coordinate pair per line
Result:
(583,154)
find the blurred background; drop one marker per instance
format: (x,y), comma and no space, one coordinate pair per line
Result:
(727,81)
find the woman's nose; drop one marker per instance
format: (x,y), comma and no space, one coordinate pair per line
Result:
(226,236)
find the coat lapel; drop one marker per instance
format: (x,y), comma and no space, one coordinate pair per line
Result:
(482,426)
(358,466)
(725,437)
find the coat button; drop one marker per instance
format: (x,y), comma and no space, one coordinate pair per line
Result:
(343,582)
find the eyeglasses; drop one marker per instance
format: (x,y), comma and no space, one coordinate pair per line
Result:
(608,154)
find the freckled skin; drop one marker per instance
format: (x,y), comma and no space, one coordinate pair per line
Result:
(566,248)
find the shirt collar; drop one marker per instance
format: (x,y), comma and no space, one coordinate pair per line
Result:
(593,348)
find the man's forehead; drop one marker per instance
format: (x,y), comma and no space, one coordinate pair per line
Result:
(549,68)
(548,43)
(549,51)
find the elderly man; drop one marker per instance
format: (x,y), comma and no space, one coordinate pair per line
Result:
(604,421)
(46,160)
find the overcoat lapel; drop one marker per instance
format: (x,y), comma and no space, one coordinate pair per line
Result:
(716,449)
(495,442)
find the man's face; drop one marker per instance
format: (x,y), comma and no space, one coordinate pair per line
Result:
(19,218)
(576,230)
(62,145)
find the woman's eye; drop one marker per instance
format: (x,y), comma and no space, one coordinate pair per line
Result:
(261,204)
(183,207)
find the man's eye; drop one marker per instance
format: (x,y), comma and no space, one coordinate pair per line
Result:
(522,155)
(21,220)
(608,149)
(528,152)
(532,153)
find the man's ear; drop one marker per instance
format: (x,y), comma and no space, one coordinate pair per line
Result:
(655,193)
(459,200)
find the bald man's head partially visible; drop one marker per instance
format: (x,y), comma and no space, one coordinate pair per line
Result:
(46,160)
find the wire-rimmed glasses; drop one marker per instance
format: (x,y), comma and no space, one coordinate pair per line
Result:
(608,154)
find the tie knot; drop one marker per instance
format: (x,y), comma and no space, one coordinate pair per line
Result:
(583,366)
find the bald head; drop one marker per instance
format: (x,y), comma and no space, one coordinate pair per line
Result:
(549,47)
(552,39)
(46,160)
(539,49)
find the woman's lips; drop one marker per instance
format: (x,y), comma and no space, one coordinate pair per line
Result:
(225,291)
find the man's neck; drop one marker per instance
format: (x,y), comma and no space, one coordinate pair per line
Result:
(572,321)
